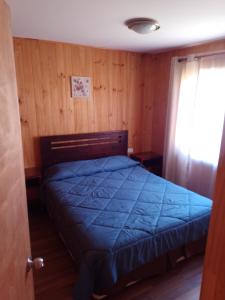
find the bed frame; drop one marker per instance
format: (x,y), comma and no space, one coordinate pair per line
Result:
(63,148)
(158,266)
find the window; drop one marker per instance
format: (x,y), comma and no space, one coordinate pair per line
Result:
(195,122)
(200,113)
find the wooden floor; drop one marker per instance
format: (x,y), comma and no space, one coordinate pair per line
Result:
(56,280)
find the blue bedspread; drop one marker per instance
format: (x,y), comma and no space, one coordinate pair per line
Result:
(115,216)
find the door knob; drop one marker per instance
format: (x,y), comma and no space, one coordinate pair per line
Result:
(35,264)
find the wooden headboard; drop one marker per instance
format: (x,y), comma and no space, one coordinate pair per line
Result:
(63,148)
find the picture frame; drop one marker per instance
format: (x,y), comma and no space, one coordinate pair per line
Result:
(80,86)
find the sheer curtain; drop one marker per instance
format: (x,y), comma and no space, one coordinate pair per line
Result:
(195,122)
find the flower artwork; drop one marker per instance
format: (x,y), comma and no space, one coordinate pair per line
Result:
(80,86)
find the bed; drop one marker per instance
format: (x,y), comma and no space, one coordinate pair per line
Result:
(118,220)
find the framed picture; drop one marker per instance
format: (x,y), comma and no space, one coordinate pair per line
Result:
(80,86)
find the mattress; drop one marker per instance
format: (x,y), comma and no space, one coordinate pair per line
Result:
(115,216)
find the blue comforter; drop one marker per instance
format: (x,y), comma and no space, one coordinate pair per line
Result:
(115,216)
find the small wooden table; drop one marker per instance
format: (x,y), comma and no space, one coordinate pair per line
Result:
(33,180)
(150,160)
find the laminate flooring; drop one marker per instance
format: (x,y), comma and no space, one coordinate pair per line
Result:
(56,280)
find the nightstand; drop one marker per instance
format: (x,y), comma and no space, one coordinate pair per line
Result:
(33,181)
(150,160)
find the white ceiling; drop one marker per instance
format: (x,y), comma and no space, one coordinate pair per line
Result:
(100,23)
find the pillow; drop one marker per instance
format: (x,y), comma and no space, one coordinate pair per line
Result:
(88,167)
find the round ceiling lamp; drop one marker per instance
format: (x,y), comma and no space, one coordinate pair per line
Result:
(142,25)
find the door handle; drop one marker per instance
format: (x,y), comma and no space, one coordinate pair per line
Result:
(35,264)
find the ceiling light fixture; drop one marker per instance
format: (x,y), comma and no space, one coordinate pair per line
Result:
(142,25)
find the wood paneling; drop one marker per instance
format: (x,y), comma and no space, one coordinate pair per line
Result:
(43,73)
(147,102)
(214,268)
(15,283)
(156,85)
(130,91)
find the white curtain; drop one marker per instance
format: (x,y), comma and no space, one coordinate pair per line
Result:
(195,122)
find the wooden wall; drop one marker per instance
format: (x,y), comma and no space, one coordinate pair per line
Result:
(46,107)
(130,91)
(156,84)
(213,283)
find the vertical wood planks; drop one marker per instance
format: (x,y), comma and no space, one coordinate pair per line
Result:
(44,71)
(213,284)
(129,91)
(156,70)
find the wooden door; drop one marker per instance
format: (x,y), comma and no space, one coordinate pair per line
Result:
(213,285)
(15,283)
